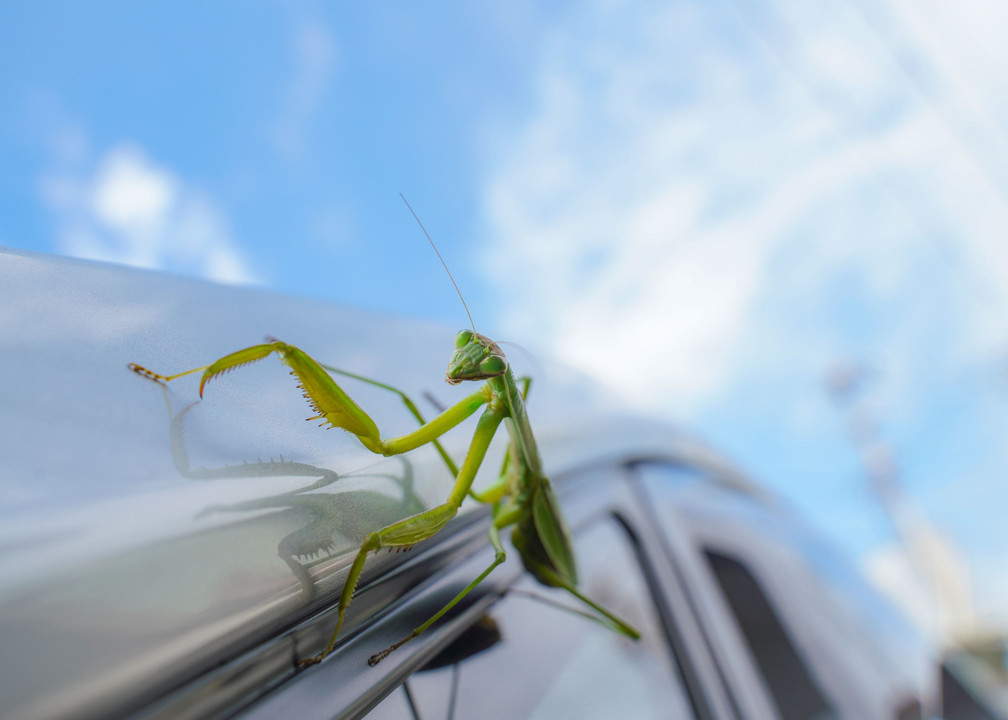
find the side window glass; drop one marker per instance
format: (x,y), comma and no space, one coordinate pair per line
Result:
(536,660)
(791,686)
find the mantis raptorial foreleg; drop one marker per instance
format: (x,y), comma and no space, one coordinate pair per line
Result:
(333,405)
(410,405)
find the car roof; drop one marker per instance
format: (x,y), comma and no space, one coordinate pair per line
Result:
(146,533)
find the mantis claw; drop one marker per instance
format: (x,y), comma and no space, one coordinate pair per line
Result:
(306,663)
(149,374)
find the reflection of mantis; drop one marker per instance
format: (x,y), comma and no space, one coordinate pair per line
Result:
(324,514)
(350,514)
(522,497)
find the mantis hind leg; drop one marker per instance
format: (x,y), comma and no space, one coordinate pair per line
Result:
(601,615)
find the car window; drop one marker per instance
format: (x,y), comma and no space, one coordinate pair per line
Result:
(537,661)
(798,613)
(792,687)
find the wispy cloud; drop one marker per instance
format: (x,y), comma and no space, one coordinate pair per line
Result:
(706,207)
(127,209)
(679,179)
(315,58)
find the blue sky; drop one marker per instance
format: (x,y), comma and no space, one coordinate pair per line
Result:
(706,205)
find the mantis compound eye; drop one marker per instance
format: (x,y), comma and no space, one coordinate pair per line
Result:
(463,338)
(493,365)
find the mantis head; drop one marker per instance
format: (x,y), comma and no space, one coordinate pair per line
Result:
(476,357)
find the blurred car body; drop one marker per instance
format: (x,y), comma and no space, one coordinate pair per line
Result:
(166,556)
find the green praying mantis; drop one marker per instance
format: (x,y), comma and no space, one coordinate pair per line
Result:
(522,498)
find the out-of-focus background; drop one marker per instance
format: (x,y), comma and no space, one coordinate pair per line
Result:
(780,224)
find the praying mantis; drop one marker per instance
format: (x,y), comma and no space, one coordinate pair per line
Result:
(521,499)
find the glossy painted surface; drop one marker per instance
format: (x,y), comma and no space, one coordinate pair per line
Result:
(162,553)
(144,535)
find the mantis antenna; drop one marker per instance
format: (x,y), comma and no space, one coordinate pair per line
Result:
(441,259)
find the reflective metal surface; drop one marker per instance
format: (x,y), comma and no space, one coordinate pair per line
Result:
(146,535)
(165,555)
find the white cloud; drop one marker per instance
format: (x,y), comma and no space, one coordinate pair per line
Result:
(129,210)
(130,194)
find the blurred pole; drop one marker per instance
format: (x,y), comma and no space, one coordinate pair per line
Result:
(938,570)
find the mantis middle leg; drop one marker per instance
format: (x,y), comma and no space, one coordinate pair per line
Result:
(501,520)
(421,526)
(499,557)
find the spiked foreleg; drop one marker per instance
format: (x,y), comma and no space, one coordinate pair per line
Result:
(331,403)
(410,405)
(328,399)
(335,407)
